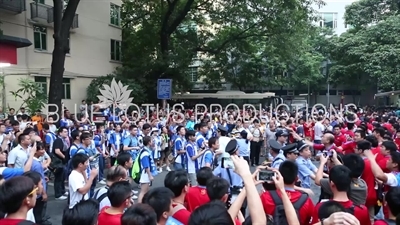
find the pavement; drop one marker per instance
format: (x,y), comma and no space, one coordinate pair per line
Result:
(55,207)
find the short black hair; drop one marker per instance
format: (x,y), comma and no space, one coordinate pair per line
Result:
(363,145)
(123,158)
(78,159)
(119,192)
(355,163)
(212,213)
(217,188)
(328,208)
(146,140)
(35,176)
(204,175)
(176,181)
(340,176)
(139,214)
(159,199)
(84,212)
(13,193)
(289,171)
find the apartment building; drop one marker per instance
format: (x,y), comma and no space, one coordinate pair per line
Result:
(27,44)
(332,15)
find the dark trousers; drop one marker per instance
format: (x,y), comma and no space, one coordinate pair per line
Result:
(59,187)
(255,148)
(39,211)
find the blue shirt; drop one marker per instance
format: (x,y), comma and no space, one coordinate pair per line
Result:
(278,160)
(208,157)
(8,173)
(179,145)
(234,180)
(243,147)
(306,169)
(37,167)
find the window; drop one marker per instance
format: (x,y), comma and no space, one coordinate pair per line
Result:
(116,50)
(40,1)
(66,88)
(328,20)
(115,15)
(40,37)
(193,73)
(42,82)
(348,26)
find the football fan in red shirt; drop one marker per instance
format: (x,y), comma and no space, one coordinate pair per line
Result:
(197,195)
(177,181)
(368,177)
(348,147)
(289,171)
(340,181)
(348,131)
(309,129)
(339,137)
(397,139)
(327,144)
(376,150)
(390,179)
(379,133)
(386,148)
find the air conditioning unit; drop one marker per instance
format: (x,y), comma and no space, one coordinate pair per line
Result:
(290,93)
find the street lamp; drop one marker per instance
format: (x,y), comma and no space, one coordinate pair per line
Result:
(326,65)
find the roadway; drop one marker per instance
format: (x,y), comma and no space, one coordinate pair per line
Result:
(55,207)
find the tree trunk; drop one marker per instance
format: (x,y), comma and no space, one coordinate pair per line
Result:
(62,24)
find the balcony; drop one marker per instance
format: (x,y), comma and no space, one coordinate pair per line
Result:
(43,14)
(12,6)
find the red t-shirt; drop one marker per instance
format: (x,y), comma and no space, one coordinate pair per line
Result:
(348,147)
(11,221)
(369,179)
(237,222)
(388,126)
(397,141)
(380,222)
(305,212)
(377,151)
(347,132)
(182,215)
(360,212)
(308,130)
(196,197)
(340,139)
(383,162)
(108,219)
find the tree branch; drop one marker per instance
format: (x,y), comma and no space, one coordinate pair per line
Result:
(178,20)
(238,36)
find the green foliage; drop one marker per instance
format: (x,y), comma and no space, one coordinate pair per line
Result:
(137,92)
(161,39)
(31,94)
(370,52)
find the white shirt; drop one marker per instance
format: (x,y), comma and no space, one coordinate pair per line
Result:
(318,131)
(76,181)
(392,180)
(223,142)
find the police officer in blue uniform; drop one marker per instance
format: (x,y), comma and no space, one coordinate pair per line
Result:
(290,152)
(225,171)
(307,169)
(276,153)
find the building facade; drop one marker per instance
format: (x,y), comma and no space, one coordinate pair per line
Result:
(94,41)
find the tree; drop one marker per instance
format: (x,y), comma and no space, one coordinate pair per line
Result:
(33,97)
(162,38)
(62,23)
(93,90)
(368,54)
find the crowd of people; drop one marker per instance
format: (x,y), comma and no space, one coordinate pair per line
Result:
(208,162)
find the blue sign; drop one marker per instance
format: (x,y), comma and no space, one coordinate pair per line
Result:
(164,89)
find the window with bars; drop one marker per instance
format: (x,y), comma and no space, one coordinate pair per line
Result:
(42,82)
(116,50)
(66,88)
(115,14)
(328,20)
(40,38)
(193,73)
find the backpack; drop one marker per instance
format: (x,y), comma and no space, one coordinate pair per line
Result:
(279,217)
(136,171)
(101,197)
(388,221)
(69,164)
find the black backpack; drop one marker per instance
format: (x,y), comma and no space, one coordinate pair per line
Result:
(279,217)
